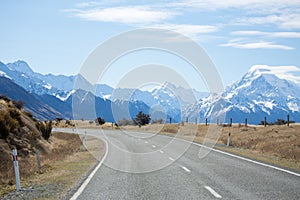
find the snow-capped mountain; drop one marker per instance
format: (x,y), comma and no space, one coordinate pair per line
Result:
(57,85)
(167,98)
(57,91)
(263,91)
(268,91)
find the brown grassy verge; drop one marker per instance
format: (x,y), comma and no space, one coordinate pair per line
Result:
(62,167)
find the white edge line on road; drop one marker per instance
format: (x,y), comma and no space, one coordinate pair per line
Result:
(185,169)
(171,158)
(153,146)
(242,158)
(86,182)
(213,192)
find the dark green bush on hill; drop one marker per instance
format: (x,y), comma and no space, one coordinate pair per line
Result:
(100,121)
(8,124)
(45,128)
(18,104)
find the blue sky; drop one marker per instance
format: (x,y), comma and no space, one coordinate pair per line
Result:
(57,36)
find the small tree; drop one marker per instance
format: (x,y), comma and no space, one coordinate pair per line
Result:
(100,121)
(142,119)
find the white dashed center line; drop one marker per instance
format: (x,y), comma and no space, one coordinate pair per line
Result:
(213,192)
(146,142)
(185,169)
(160,151)
(153,146)
(171,158)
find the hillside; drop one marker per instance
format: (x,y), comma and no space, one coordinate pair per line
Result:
(17,130)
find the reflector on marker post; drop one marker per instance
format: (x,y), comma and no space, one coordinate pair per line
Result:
(16,167)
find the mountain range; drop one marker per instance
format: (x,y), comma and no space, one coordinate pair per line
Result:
(263,91)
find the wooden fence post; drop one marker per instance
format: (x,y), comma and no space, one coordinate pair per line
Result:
(38,159)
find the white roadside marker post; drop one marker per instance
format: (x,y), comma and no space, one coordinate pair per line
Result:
(16,167)
(228,140)
(83,142)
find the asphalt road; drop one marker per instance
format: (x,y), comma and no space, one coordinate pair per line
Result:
(143,166)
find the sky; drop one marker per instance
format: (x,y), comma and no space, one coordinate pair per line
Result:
(57,36)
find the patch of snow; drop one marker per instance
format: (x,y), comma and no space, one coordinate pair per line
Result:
(265,104)
(4,75)
(293,107)
(48,86)
(106,96)
(66,97)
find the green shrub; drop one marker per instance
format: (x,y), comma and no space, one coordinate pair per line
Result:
(7,124)
(45,128)
(18,104)
(100,121)
(15,114)
(5,98)
(4,130)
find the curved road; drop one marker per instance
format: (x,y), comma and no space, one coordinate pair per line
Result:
(216,176)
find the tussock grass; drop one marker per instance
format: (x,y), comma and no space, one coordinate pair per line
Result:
(60,146)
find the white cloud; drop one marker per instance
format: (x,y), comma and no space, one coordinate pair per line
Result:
(245,4)
(268,34)
(283,72)
(255,45)
(284,14)
(127,15)
(283,20)
(189,30)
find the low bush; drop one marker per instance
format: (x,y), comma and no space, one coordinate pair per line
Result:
(8,124)
(18,104)
(100,121)
(45,128)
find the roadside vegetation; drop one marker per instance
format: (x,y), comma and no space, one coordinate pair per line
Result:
(63,162)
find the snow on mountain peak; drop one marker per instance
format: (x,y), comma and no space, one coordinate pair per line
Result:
(290,73)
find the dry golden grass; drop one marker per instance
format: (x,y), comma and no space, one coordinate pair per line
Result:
(63,163)
(68,171)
